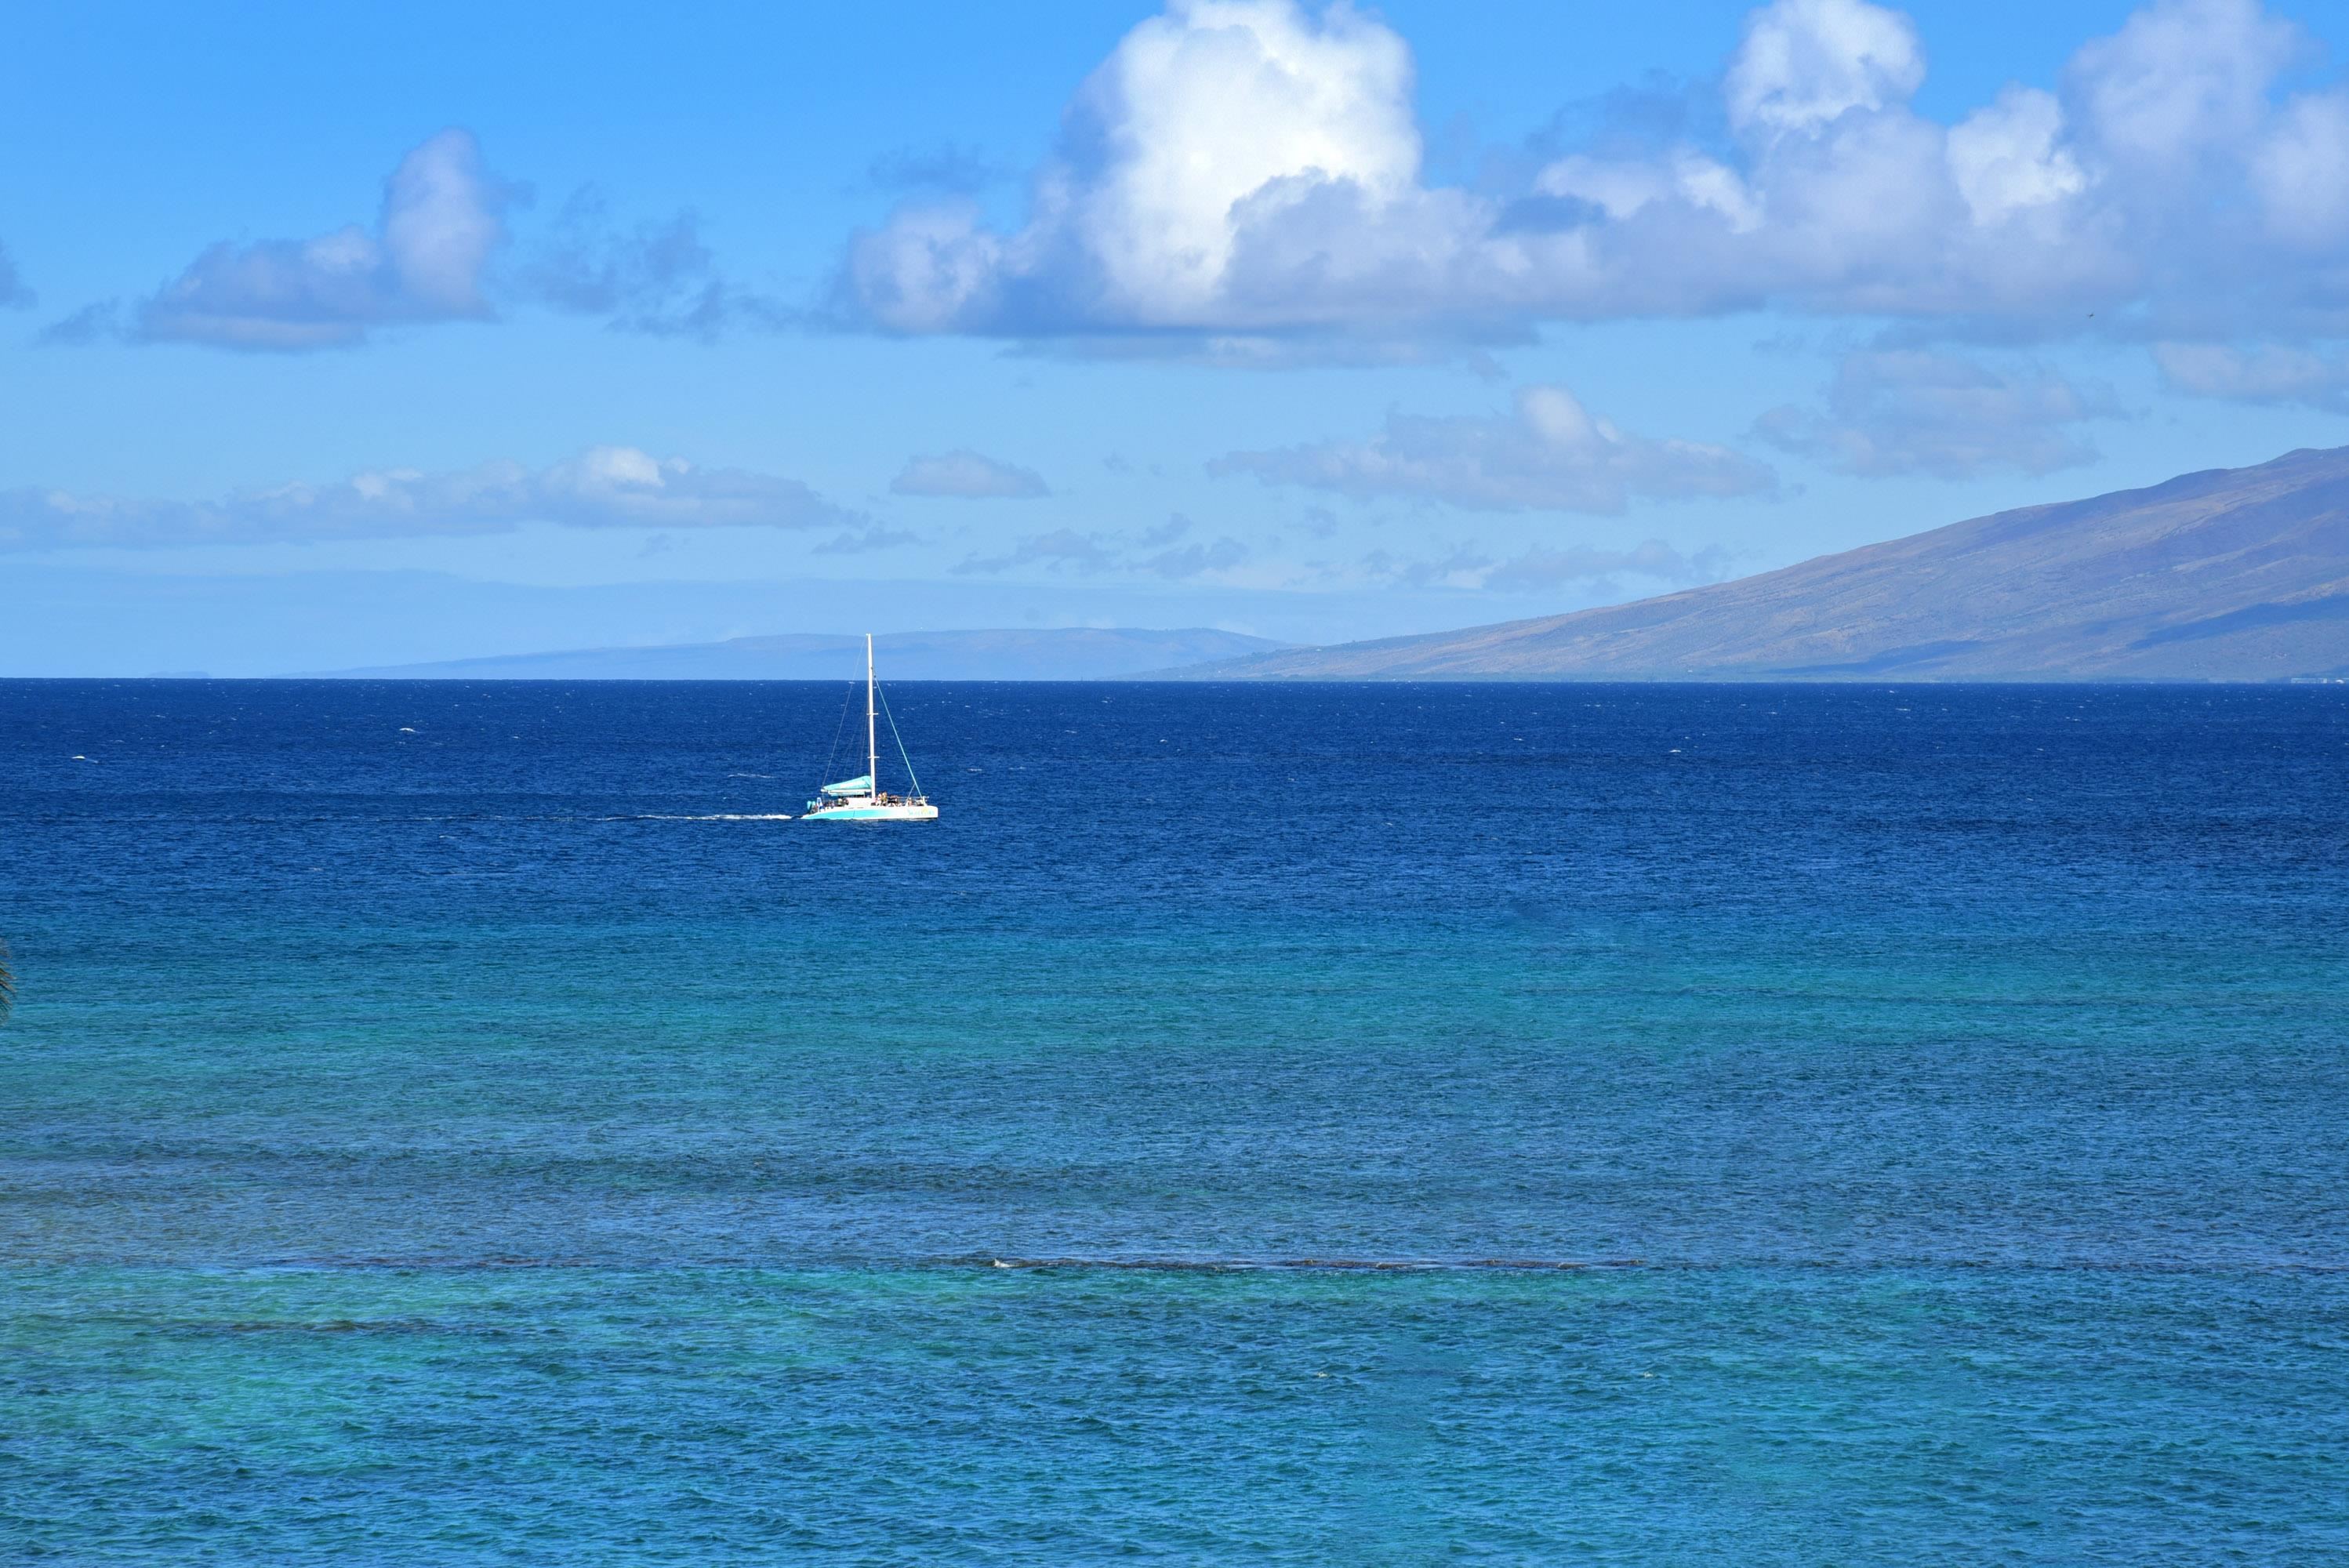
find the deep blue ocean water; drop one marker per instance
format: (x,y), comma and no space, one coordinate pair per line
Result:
(448,1124)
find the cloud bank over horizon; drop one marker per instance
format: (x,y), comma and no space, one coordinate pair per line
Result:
(604,486)
(1245,180)
(1251,168)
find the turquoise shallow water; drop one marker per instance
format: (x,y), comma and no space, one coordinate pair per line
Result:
(442,1127)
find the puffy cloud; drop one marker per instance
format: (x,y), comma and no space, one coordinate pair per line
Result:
(1221,126)
(1805,62)
(1244,171)
(432,257)
(2301,173)
(1908,411)
(931,270)
(1547,454)
(1223,103)
(442,218)
(604,486)
(2181,81)
(2268,372)
(1622,190)
(2008,157)
(966,475)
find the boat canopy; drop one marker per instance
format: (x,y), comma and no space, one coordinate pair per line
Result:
(859,786)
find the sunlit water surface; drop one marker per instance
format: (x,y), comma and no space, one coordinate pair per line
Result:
(451,1124)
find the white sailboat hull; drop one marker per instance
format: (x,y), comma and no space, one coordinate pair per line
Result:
(872,811)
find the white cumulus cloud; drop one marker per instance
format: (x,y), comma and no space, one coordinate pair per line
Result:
(1251,172)
(2301,173)
(442,218)
(1217,125)
(2182,80)
(1223,102)
(2010,157)
(1805,62)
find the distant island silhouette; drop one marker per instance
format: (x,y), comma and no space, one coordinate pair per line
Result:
(2237,574)
(1057,653)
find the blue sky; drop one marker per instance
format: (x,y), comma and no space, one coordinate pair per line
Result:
(336,339)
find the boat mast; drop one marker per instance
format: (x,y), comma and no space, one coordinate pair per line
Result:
(872,742)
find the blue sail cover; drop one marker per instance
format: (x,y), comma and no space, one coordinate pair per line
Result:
(860,785)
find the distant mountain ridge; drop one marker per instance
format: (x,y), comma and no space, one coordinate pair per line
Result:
(2228,574)
(1067,653)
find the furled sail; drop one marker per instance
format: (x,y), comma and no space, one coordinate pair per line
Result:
(862,785)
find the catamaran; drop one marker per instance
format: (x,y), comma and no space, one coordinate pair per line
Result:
(862,799)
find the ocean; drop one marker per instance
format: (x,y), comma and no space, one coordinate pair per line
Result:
(450,1124)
